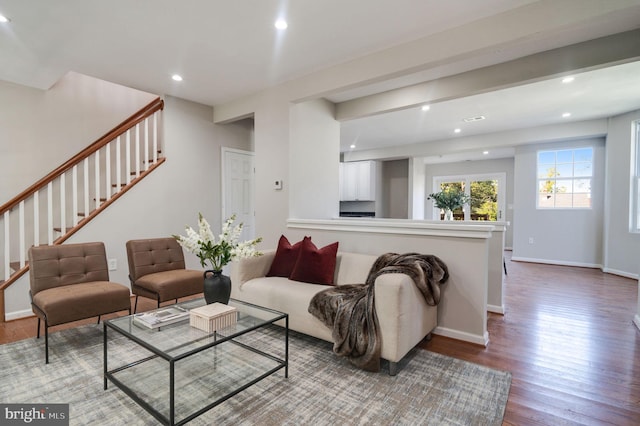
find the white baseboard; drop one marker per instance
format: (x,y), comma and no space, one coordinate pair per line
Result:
(495,309)
(18,314)
(621,273)
(577,264)
(557,262)
(636,320)
(461,335)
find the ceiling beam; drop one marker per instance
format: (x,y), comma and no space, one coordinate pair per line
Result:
(586,56)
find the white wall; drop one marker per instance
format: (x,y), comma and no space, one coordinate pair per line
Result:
(621,247)
(567,236)
(168,199)
(40,130)
(395,189)
(314,159)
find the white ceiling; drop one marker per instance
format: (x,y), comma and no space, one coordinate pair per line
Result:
(226,49)
(595,94)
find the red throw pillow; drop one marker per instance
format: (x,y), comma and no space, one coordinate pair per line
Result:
(285,259)
(315,265)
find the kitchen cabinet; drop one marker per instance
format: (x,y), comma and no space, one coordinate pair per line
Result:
(358,181)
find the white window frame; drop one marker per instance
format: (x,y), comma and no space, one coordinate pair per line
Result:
(634,195)
(573,177)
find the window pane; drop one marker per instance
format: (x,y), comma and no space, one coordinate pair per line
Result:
(546,186)
(582,185)
(584,154)
(565,156)
(564,170)
(484,200)
(546,201)
(583,169)
(564,186)
(547,157)
(544,170)
(582,200)
(564,200)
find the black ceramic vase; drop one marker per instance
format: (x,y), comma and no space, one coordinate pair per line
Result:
(217,287)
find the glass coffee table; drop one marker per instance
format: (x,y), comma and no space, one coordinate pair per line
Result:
(178,372)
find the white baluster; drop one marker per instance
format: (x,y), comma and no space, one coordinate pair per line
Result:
(146,144)
(50,212)
(128,157)
(7,247)
(21,232)
(86,187)
(155,138)
(36,218)
(63,204)
(107,171)
(74,194)
(118,166)
(137,150)
(97,178)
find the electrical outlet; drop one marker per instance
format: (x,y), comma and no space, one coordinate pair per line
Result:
(530,240)
(113,264)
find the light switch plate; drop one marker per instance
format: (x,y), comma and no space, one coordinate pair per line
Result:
(113,264)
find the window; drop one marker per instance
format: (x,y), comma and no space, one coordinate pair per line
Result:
(564,178)
(485,190)
(634,200)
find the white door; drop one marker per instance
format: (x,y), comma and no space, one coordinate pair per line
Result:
(238,189)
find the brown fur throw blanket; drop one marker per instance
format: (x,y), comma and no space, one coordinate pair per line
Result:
(349,309)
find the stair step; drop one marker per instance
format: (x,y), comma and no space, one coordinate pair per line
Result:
(59,229)
(16,265)
(115,185)
(81,214)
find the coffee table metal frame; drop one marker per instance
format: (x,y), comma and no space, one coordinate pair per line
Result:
(218,339)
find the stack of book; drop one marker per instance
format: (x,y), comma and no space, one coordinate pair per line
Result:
(160,317)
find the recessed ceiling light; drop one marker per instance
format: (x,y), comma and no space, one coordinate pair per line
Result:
(566,114)
(4,19)
(568,79)
(471,119)
(352,146)
(485,152)
(457,130)
(281,24)
(176,77)
(426,107)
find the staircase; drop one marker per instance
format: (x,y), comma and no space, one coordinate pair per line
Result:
(58,205)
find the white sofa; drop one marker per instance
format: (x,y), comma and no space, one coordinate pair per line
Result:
(403,315)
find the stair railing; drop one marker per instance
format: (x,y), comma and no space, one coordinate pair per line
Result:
(58,205)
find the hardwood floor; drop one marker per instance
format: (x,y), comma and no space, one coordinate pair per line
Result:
(567,337)
(569,341)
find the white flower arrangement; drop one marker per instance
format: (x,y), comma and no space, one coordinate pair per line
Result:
(203,243)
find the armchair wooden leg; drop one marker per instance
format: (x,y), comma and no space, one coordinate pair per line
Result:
(98,320)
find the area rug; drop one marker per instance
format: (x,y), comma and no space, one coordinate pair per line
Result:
(322,389)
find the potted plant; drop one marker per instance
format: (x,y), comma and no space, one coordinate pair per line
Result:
(449,200)
(217,254)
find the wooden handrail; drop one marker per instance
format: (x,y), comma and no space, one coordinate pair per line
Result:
(76,228)
(155,105)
